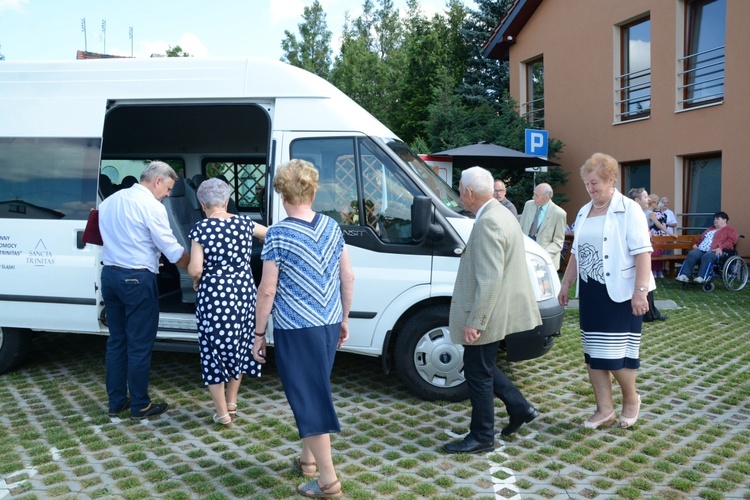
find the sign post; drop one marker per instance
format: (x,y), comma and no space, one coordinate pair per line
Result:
(536,145)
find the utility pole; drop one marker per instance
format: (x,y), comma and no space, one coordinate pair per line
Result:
(85,39)
(104,35)
(131,41)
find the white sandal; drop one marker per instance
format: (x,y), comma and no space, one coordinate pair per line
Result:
(224,420)
(232,410)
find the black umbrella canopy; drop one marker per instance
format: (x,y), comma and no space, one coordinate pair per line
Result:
(487,155)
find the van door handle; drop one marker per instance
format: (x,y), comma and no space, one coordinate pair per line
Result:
(79,239)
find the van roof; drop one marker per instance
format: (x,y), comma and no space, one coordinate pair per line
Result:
(67,91)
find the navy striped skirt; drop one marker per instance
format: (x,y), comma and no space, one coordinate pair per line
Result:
(304,359)
(610,332)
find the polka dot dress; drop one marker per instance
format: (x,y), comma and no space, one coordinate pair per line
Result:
(225,306)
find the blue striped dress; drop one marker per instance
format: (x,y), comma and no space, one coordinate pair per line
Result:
(610,333)
(307,315)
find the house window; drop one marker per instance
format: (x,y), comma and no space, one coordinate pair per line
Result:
(703,192)
(634,83)
(702,75)
(533,108)
(636,175)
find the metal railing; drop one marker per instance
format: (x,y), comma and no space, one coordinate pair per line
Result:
(704,78)
(534,113)
(633,93)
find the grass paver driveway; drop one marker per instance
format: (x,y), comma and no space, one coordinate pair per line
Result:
(692,439)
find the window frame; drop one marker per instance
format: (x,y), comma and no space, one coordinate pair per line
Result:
(690,67)
(623,90)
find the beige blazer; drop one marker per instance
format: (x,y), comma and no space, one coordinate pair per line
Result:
(493,291)
(551,232)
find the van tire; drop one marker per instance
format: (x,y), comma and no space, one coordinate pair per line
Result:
(427,362)
(15,345)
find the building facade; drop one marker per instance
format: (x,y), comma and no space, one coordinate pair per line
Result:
(661,85)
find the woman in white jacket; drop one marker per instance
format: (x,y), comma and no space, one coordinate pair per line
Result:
(611,260)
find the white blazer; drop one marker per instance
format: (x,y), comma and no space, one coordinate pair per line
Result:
(625,236)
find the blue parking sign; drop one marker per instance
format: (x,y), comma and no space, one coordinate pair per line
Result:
(536,142)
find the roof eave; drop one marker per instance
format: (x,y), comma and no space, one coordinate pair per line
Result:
(506,33)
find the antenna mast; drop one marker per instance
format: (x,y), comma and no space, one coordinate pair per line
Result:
(104,35)
(131,41)
(85,40)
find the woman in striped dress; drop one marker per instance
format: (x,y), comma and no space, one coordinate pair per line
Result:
(611,259)
(307,283)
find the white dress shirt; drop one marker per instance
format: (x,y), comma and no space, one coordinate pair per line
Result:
(135,230)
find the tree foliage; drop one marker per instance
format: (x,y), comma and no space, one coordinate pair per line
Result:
(313,50)
(427,80)
(176,51)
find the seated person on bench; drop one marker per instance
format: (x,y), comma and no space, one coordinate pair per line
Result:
(708,248)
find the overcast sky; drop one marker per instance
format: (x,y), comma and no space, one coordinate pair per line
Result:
(51,29)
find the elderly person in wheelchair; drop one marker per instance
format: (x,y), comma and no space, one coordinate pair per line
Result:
(717,239)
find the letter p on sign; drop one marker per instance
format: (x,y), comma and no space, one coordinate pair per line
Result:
(536,142)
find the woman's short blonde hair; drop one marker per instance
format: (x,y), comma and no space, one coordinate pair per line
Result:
(654,199)
(605,166)
(296,182)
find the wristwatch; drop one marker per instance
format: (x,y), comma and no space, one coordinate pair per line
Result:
(641,289)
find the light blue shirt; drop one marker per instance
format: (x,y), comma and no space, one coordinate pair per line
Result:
(135,230)
(542,213)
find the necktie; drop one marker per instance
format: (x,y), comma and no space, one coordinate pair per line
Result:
(535,224)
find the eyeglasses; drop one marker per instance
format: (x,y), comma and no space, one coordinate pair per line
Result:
(500,190)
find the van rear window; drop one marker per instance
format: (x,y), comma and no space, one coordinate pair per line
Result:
(49,178)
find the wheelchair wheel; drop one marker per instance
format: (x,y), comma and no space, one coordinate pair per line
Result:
(708,286)
(735,273)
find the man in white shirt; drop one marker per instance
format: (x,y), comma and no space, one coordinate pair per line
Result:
(135,230)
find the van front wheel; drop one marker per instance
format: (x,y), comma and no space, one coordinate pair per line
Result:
(427,362)
(14,348)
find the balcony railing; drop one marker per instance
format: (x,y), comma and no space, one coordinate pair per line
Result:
(703,77)
(533,112)
(633,94)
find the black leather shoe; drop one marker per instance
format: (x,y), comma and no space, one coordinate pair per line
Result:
(149,411)
(469,445)
(117,411)
(516,421)
(662,317)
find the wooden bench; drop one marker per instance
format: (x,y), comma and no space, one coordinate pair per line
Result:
(679,247)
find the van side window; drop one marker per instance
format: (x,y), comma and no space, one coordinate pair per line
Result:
(48,178)
(123,173)
(247,179)
(360,186)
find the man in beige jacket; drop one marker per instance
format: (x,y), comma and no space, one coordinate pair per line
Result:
(544,222)
(492,297)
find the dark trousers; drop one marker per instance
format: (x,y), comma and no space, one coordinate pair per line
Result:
(485,380)
(653,313)
(131,299)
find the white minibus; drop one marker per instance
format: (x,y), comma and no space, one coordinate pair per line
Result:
(72,133)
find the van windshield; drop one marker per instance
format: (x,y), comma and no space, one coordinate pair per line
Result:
(436,183)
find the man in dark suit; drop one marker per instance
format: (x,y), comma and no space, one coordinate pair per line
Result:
(492,297)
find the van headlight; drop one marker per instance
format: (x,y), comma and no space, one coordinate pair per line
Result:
(541,277)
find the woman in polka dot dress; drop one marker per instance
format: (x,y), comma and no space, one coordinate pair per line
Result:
(225,306)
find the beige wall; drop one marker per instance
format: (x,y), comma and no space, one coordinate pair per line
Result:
(579,42)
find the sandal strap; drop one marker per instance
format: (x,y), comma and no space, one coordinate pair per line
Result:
(218,419)
(329,486)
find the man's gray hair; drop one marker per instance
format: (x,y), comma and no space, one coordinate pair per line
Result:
(635,193)
(479,180)
(546,190)
(214,193)
(156,169)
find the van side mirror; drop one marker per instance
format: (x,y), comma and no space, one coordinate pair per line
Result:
(422,226)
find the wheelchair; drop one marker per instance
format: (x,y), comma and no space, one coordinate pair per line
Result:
(730,268)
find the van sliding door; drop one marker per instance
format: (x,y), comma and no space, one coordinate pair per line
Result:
(48,277)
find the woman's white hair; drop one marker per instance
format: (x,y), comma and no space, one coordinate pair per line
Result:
(479,180)
(214,193)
